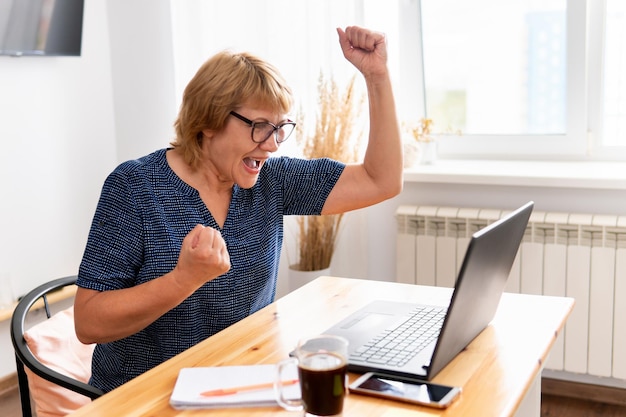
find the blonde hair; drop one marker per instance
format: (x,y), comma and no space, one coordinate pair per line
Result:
(222,84)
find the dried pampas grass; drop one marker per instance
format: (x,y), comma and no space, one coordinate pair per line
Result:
(333,138)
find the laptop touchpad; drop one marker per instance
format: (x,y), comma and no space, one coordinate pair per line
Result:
(367,321)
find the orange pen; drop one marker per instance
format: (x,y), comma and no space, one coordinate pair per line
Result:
(236,390)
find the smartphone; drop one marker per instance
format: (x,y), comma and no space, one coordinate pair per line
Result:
(405,389)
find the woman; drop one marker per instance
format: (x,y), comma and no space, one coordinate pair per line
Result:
(186,241)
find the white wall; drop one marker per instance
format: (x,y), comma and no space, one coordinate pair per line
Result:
(142,70)
(58,137)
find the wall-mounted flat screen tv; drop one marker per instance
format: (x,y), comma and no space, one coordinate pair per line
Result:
(41,27)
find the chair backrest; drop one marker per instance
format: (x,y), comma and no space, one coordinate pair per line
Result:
(53,366)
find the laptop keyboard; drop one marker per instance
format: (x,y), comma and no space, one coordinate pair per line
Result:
(398,346)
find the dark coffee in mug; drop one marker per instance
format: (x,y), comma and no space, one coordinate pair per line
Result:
(322,382)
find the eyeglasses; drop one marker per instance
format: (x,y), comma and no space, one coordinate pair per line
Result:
(261,131)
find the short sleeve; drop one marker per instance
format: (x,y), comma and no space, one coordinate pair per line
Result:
(307,183)
(113,253)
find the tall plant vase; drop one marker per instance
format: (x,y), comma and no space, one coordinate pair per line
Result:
(300,278)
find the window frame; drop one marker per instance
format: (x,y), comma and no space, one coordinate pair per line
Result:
(597,22)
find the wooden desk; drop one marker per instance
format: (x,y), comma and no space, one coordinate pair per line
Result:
(499,371)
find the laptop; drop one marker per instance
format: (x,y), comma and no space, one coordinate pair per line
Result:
(475,298)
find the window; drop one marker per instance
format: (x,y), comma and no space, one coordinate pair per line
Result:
(525,78)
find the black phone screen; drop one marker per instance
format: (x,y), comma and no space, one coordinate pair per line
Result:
(415,390)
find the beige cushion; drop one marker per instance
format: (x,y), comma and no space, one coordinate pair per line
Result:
(55,344)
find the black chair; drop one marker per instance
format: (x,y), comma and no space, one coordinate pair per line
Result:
(25,358)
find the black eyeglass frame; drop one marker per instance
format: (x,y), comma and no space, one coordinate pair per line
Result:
(275,128)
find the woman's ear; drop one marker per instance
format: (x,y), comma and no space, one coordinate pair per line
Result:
(205,134)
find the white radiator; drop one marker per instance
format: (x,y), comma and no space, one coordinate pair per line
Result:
(565,254)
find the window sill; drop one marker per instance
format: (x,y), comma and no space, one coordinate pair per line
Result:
(594,175)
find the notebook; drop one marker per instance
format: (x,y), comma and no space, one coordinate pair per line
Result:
(475,298)
(231,386)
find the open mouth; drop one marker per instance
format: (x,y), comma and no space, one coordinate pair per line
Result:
(252,163)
